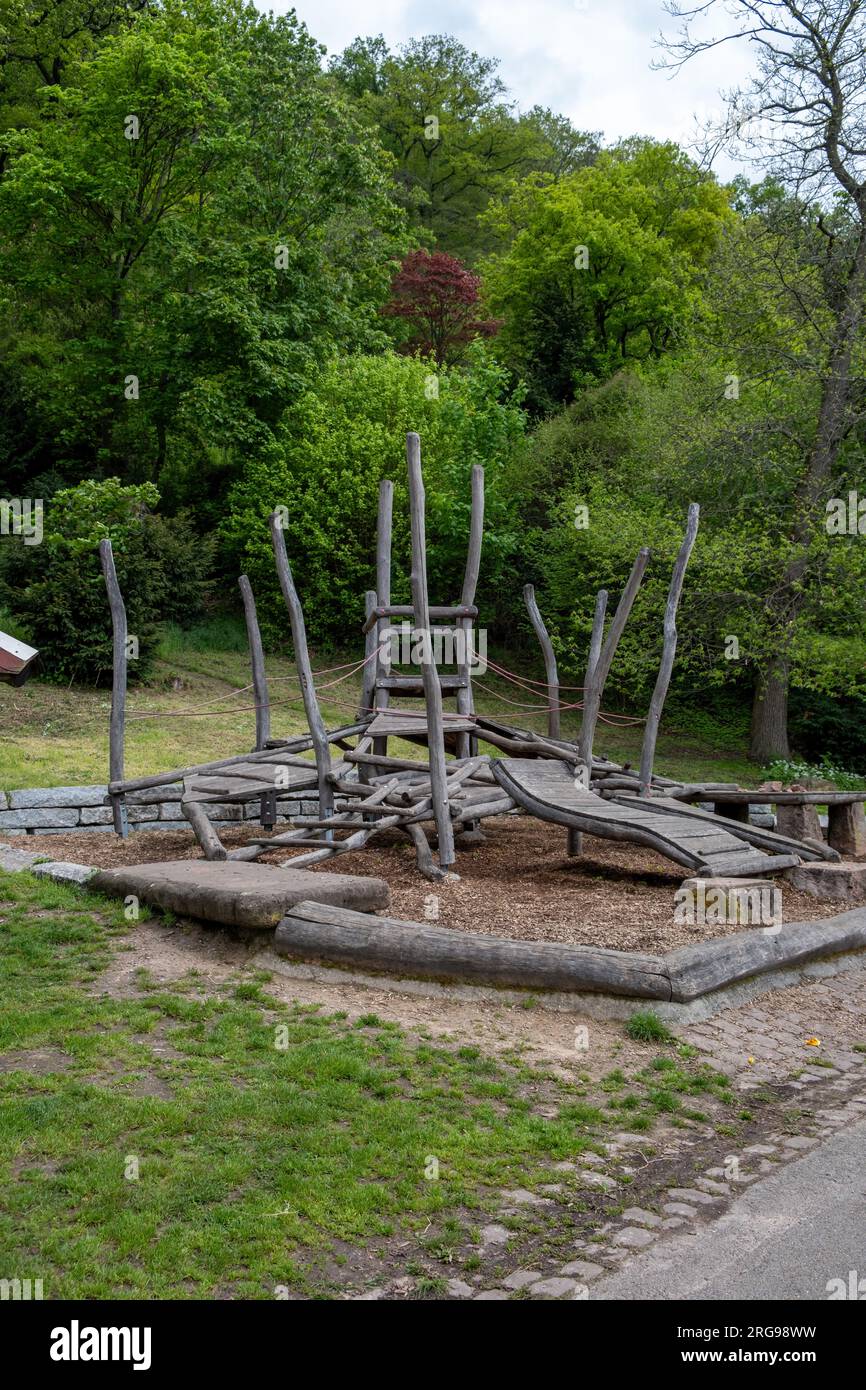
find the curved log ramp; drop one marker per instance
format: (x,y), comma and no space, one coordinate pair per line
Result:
(335,936)
(549,790)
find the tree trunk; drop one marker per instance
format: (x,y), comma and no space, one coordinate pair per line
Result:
(769,735)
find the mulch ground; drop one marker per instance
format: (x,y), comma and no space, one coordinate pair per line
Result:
(520,884)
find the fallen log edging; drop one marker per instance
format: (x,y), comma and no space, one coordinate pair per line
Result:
(334,936)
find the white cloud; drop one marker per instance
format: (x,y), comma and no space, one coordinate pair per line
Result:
(589,59)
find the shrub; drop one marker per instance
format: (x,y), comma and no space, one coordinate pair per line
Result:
(336,445)
(56,590)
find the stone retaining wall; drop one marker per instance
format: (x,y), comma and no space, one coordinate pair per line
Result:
(59,810)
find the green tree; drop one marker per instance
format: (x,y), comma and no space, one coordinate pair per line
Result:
(197,221)
(441,111)
(602,268)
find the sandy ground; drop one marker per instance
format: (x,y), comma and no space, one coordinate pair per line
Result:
(520,884)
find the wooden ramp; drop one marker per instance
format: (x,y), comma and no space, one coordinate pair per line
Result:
(709,845)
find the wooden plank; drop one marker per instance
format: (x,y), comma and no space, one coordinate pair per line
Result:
(432,690)
(585,818)
(398,723)
(275,752)
(669,649)
(744,864)
(406,610)
(312,931)
(415,684)
(117,719)
(750,834)
(550,667)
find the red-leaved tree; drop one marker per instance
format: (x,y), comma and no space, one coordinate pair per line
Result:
(437,296)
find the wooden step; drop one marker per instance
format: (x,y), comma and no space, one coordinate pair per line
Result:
(414,685)
(406,610)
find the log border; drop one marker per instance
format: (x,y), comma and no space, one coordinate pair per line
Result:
(388,946)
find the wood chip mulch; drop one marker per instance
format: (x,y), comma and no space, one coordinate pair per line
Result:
(520,884)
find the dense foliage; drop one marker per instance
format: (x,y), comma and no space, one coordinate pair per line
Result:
(234,273)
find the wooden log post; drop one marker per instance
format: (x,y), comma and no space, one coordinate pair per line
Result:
(318,732)
(550,667)
(384,528)
(204,831)
(595,682)
(371,643)
(268,803)
(430,676)
(467,744)
(117,724)
(257,663)
(669,651)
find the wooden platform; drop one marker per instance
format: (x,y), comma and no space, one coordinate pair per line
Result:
(709,844)
(246,781)
(403,723)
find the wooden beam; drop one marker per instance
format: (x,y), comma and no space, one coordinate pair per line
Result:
(318,732)
(257,662)
(550,667)
(468,743)
(117,722)
(432,690)
(371,642)
(314,931)
(204,831)
(595,682)
(273,754)
(669,651)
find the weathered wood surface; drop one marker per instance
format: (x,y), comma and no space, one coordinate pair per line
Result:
(335,936)
(755,835)
(465,702)
(250,783)
(549,790)
(405,610)
(399,723)
(669,650)
(597,677)
(550,668)
(117,722)
(204,831)
(372,658)
(432,689)
(257,664)
(761,797)
(710,965)
(312,931)
(318,732)
(276,751)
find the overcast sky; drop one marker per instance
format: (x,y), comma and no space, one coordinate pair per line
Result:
(589,59)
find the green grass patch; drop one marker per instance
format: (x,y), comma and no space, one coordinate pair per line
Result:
(190,1142)
(646,1026)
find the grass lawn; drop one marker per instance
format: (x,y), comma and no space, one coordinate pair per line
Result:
(55,735)
(199,1141)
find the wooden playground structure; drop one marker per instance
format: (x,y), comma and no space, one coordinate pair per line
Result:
(440,802)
